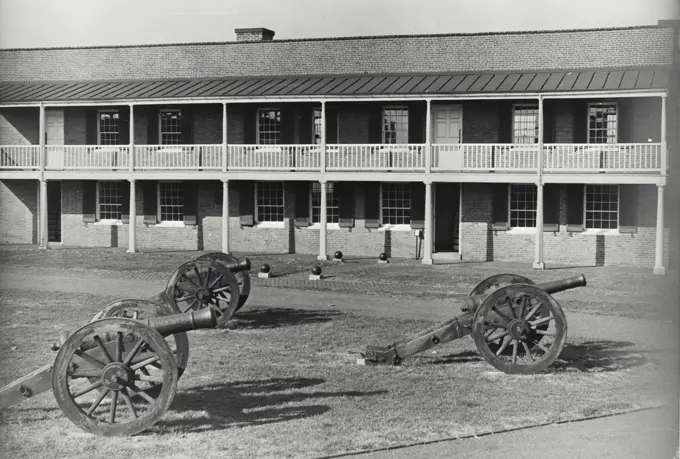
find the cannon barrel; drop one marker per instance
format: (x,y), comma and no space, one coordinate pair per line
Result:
(243,265)
(178,323)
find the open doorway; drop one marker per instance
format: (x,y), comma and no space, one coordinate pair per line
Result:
(54,211)
(446,217)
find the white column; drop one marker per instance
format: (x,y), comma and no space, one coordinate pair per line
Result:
(658,256)
(42,161)
(131,157)
(42,193)
(132,226)
(428,137)
(538,258)
(322,149)
(323,249)
(225,162)
(664,144)
(427,256)
(225,216)
(43,214)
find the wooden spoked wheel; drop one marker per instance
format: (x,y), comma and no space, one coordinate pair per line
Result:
(497,281)
(124,406)
(520,329)
(201,284)
(242,277)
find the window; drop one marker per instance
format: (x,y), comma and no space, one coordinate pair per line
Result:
(170,201)
(317,126)
(109,201)
(523,206)
(602,206)
(171,127)
(395,125)
(602,123)
(269,201)
(332,214)
(525,124)
(396,203)
(269,126)
(109,128)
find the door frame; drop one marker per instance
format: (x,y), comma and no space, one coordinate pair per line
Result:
(434,124)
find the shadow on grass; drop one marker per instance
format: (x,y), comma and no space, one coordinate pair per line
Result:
(251,403)
(279,317)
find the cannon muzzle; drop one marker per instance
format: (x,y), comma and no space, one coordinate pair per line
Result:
(235,266)
(563,284)
(178,323)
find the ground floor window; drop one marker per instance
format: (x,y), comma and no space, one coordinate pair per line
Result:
(523,205)
(170,202)
(269,201)
(109,201)
(602,206)
(332,214)
(395,199)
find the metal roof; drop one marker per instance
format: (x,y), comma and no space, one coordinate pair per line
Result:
(340,86)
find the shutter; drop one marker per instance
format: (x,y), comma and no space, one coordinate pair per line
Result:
(288,114)
(125,201)
(628,208)
(372,204)
(416,123)
(250,125)
(301,190)
(124,126)
(152,126)
(306,116)
(247,203)
(149,201)
(332,125)
(549,110)
(375,124)
(91,119)
(187,125)
(500,207)
(580,129)
(89,201)
(190,210)
(505,121)
(551,207)
(575,207)
(417,205)
(345,193)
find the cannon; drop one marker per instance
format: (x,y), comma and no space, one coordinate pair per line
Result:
(116,376)
(517,326)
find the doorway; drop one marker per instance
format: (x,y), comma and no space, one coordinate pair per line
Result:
(54,211)
(446,217)
(447,131)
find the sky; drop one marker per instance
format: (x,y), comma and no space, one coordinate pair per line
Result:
(59,23)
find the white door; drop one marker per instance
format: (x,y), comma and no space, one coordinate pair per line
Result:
(446,133)
(54,135)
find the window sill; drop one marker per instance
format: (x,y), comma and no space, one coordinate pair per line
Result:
(108,223)
(274,225)
(169,225)
(601,232)
(329,226)
(522,230)
(395,228)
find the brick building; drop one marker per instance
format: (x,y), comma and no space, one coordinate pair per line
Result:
(537,146)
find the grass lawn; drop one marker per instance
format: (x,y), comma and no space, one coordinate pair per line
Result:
(285,383)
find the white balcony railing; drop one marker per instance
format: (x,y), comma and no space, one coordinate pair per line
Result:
(484,157)
(19,157)
(274,157)
(83,157)
(178,157)
(620,157)
(404,157)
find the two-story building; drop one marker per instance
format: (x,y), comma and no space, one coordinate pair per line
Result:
(536,146)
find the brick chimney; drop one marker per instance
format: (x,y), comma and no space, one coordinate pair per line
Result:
(257,34)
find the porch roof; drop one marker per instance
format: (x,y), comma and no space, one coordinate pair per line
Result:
(339,86)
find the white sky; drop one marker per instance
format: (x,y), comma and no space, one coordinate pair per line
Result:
(52,23)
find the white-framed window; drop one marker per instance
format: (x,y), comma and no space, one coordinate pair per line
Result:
(525,123)
(269,204)
(268,126)
(108,127)
(522,203)
(316,126)
(602,122)
(170,202)
(109,200)
(395,204)
(332,213)
(601,206)
(395,125)
(170,127)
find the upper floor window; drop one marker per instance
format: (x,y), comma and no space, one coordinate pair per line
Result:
(395,125)
(525,124)
(269,201)
(171,127)
(602,122)
(170,202)
(523,206)
(109,201)
(395,203)
(269,126)
(602,206)
(109,127)
(316,129)
(332,214)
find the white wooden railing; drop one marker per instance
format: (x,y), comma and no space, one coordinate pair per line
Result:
(484,157)
(19,157)
(620,157)
(274,157)
(404,157)
(178,157)
(83,157)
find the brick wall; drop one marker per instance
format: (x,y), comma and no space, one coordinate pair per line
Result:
(18,211)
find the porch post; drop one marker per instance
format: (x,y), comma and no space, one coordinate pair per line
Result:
(658,257)
(225,216)
(428,136)
(225,163)
(538,258)
(322,222)
(132,226)
(427,256)
(664,144)
(42,160)
(131,160)
(43,213)
(322,153)
(42,188)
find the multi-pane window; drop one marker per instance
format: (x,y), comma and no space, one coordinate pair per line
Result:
(269,126)
(522,206)
(395,125)
(396,203)
(602,206)
(332,214)
(269,198)
(602,122)
(110,200)
(525,124)
(170,201)
(109,128)
(317,126)
(171,127)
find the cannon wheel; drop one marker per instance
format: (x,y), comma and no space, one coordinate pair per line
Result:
(520,329)
(144,309)
(497,281)
(201,284)
(116,366)
(242,277)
